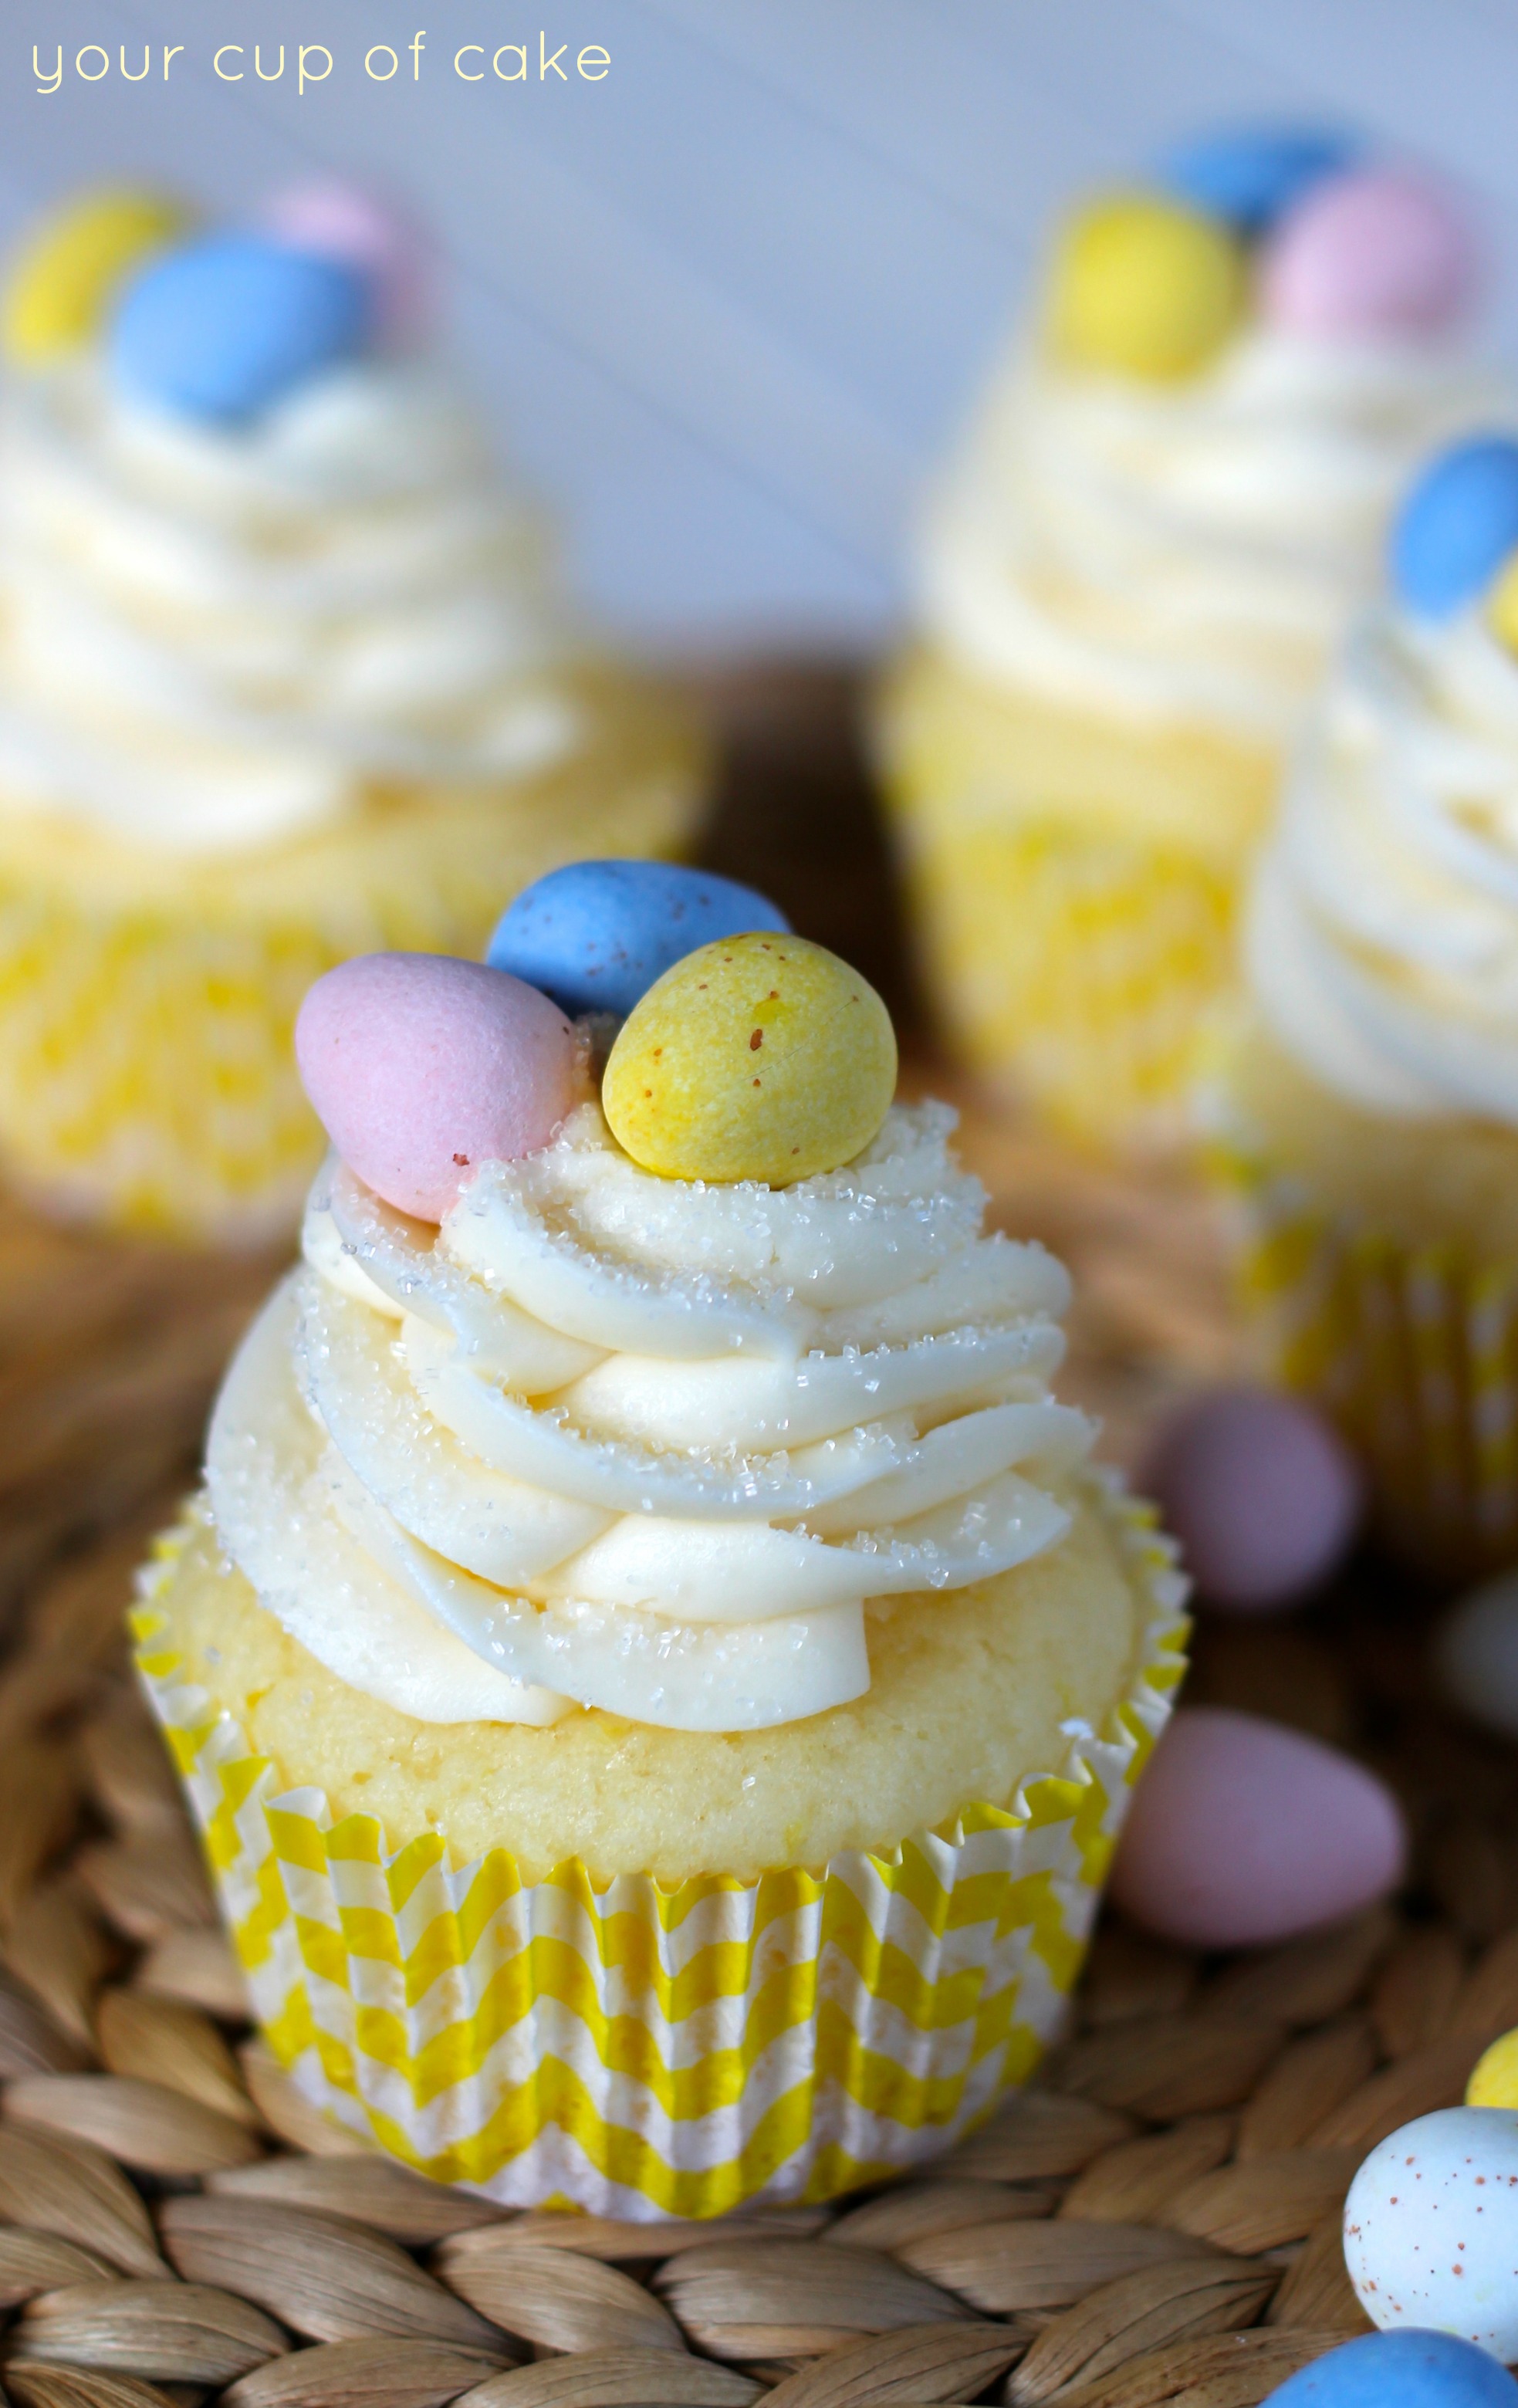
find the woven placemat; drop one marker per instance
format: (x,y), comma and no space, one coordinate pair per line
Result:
(1157,2221)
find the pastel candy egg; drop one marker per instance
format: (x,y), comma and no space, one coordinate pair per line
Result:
(1242,1832)
(1399,2369)
(67,268)
(1261,1492)
(341,222)
(761,1057)
(1374,252)
(596,933)
(1251,174)
(1431,2228)
(1502,605)
(1495,2082)
(421,1066)
(222,329)
(1476,1654)
(1457,525)
(1144,286)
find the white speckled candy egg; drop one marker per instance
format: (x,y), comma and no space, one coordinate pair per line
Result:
(1431,2228)
(1477,1653)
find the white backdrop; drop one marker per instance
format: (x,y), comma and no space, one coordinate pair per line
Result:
(726,303)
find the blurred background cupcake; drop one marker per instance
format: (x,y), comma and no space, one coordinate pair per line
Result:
(1131,577)
(285,675)
(1366,1103)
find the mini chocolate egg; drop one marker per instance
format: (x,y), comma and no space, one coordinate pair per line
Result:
(1242,1832)
(1374,252)
(1502,603)
(420,1067)
(1251,174)
(1399,2369)
(225,327)
(1143,287)
(1494,2080)
(1262,1493)
(1458,527)
(69,266)
(339,221)
(1476,1654)
(1431,2228)
(761,1057)
(595,935)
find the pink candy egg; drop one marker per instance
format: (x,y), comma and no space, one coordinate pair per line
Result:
(1242,1832)
(421,1066)
(1261,1492)
(1377,252)
(342,222)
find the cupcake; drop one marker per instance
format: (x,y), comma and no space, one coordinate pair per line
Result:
(285,676)
(658,1673)
(1131,581)
(1364,1098)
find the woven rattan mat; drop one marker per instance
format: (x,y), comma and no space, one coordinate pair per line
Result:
(1156,2222)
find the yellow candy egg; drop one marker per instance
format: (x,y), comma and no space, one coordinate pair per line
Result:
(1502,605)
(760,1056)
(1145,287)
(1495,2082)
(63,276)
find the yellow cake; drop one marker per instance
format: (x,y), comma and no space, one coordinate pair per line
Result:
(680,1609)
(276,687)
(1130,581)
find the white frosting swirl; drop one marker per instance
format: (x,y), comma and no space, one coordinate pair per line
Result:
(642,1445)
(1188,551)
(212,639)
(1382,933)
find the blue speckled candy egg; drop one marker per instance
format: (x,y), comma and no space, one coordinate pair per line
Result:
(595,935)
(1252,174)
(1431,2228)
(1457,525)
(1399,2369)
(223,328)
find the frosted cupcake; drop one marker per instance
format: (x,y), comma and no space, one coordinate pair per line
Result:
(1366,1104)
(285,675)
(1131,580)
(646,1584)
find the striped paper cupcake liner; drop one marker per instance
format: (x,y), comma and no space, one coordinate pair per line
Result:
(639,2050)
(1412,1349)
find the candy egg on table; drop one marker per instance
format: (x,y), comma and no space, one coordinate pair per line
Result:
(338,220)
(1262,1493)
(595,935)
(1458,527)
(1431,2228)
(223,328)
(761,1057)
(420,1067)
(1399,2369)
(67,268)
(1376,251)
(1243,1832)
(1252,173)
(1494,2079)
(1476,1652)
(1144,286)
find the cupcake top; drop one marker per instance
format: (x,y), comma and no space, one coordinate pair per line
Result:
(1175,493)
(599,1432)
(1382,933)
(255,561)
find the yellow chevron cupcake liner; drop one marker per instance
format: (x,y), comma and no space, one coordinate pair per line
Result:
(643,2050)
(1075,882)
(147,1071)
(1074,968)
(1412,1349)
